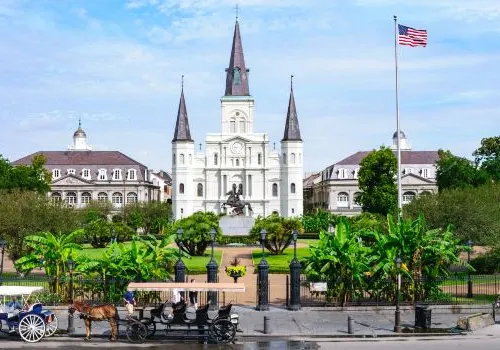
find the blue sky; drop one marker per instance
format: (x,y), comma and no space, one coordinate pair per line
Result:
(117,64)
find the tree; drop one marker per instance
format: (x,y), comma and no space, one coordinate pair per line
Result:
(152,217)
(279,232)
(456,172)
(488,157)
(317,221)
(29,178)
(377,176)
(196,227)
(24,213)
(473,212)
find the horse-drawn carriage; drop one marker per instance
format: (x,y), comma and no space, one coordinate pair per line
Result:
(181,321)
(28,318)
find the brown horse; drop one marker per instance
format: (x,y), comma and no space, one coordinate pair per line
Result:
(96,313)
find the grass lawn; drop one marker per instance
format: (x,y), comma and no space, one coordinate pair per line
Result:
(461,279)
(279,263)
(195,265)
(308,241)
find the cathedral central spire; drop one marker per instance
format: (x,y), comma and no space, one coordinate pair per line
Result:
(237,73)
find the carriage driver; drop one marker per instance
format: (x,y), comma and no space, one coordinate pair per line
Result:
(129,300)
(14,305)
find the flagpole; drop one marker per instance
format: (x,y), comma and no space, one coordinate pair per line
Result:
(400,204)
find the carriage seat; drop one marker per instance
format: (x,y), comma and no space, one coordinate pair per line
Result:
(36,308)
(157,312)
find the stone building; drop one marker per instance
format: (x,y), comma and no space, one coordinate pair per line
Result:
(80,175)
(236,155)
(336,187)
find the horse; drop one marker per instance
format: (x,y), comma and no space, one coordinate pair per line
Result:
(237,207)
(96,313)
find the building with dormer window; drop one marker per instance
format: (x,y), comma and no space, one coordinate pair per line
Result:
(271,178)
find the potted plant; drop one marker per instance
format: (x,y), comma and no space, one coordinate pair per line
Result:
(235,270)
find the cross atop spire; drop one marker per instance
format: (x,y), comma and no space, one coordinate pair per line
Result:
(182,132)
(237,73)
(292,129)
(79,121)
(236,10)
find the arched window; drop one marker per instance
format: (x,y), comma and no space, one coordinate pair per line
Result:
(356,197)
(259,158)
(117,198)
(284,158)
(173,159)
(131,197)
(292,188)
(292,158)
(425,193)
(408,196)
(181,188)
(181,159)
(86,197)
(56,196)
(216,158)
(237,162)
(200,190)
(342,200)
(71,198)
(275,190)
(102,196)
(243,125)
(232,126)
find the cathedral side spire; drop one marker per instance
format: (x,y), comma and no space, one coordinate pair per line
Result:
(237,73)
(292,129)
(182,132)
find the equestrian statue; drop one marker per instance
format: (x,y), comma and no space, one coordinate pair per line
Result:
(235,202)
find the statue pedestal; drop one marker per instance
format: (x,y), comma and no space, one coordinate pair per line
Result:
(236,225)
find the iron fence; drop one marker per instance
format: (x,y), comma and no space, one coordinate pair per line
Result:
(454,289)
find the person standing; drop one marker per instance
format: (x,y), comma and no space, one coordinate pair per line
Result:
(193,297)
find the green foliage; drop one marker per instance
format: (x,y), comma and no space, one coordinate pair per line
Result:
(320,220)
(153,217)
(377,173)
(488,157)
(196,227)
(26,178)
(456,172)
(246,240)
(53,250)
(473,212)
(368,222)
(98,232)
(488,263)
(24,213)
(279,232)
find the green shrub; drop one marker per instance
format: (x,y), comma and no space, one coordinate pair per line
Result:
(488,263)
(279,232)
(318,221)
(247,240)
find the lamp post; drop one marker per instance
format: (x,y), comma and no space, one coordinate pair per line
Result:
(113,236)
(71,265)
(180,268)
(3,244)
(212,268)
(294,276)
(263,283)
(397,316)
(469,281)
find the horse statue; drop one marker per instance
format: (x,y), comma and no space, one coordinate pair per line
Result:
(235,202)
(96,313)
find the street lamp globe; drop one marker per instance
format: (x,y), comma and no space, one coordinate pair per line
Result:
(469,243)
(398,262)
(3,244)
(71,264)
(180,232)
(213,234)
(295,235)
(263,235)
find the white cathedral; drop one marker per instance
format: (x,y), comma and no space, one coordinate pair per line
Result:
(271,180)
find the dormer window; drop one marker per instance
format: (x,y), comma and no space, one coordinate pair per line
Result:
(56,173)
(425,173)
(132,174)
(355,173)
(117,174)
(86,174)
(343,174)
(71,171)
(101,175)
(408,170)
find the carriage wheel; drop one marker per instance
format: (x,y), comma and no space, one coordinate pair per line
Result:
(136,332)
(223,331)
(51,327)
(150,326)
(32,328)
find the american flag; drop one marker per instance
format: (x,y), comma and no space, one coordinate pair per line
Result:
(412,37)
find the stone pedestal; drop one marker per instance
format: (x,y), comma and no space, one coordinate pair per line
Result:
(236,225)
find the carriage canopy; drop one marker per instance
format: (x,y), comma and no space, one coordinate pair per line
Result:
(195,287)
(18,290)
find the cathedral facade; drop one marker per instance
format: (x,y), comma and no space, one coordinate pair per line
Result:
(270,180)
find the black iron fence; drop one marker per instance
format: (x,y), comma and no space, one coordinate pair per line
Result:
(454,289)
(94,290)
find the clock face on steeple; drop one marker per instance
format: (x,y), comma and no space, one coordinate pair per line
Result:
(236,147)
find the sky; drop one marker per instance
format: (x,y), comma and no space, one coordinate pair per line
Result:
(117,65)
